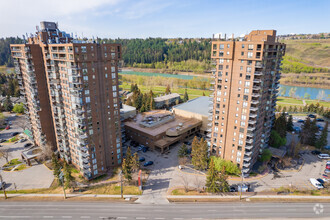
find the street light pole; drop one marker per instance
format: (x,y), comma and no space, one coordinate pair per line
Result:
(240,194)
(3,187)
(121,184)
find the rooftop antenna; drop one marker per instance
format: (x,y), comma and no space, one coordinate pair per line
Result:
(24,39)
(225,36)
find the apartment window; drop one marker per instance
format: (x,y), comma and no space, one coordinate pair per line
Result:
(246,91)
(221,60)
(113,75)
(88,99)
(105,55)
(91,132)
(249,62)
(242,123)
(114,88)
(113,69)
(87,92)
(85,78)
(83,49)
(238,159)
(243,117)
(247,84)
(222,46)
(228,45)
(218,93)
(243,46)
(236,115)
(106,75)
(214,46)
(250,47)
(94,161)
(240,75)
(241,136)
(242,53)
(241,68)
(240,82)
(240,142)
(95,172)
(220,53)
(93,76)
(248,69)
(226,73)
(245,104)
(250,54)
(227,66)
(237,108)
(235,121)
(220,67)
(227,52)
(114,94)
(76,49)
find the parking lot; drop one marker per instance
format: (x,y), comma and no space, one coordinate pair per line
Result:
(36,176)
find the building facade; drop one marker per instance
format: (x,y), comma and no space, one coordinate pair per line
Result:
(246,82)
(71,89)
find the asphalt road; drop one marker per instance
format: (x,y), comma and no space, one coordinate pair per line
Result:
(107,210)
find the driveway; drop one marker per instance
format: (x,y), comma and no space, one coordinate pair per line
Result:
(37,176)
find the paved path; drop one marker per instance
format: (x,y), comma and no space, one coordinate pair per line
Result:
(106,210)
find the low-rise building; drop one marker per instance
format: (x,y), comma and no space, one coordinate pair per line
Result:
(160,129)
(197,108)
(166,101)
(127,111)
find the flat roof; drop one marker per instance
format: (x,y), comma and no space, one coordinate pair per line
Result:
(198,105)
(156,130)
(166,97)
(127,108)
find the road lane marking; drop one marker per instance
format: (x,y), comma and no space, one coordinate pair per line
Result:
(48,216)
(140,218)
(122,217)
(159,218)
(15,217)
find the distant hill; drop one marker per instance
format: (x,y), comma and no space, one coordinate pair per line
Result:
(307,55)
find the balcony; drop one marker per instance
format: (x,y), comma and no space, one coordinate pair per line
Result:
(255,102)
(248,153)
(252,122)
(255,95)
(256,88)
(246,164)
(247,159)
(257,73)
(249,141)
(251,129)
(86,166)
(259,65)
(249,134)
(84,136)
(253,115)
(253,109)
(257,81)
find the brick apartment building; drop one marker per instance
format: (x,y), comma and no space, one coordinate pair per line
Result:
(72,97)
(245,89)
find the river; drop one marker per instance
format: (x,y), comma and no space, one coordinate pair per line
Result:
(315,93)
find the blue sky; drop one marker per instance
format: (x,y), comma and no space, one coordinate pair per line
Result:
(166,18)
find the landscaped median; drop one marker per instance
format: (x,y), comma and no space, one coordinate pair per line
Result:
(14,165)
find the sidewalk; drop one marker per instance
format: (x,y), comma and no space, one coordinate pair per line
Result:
(68,195)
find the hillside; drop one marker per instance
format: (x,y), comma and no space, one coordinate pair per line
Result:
(310,52)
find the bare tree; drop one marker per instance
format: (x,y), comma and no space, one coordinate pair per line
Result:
(3,187)
(183,160)
(198,184)
(185,182)
(47,152)
(5,153)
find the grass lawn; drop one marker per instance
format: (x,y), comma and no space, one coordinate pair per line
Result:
(21,167)
(12,162)
(113,189)
(289,100)
(180,192)
(11,140)
(192,93)
(325,104)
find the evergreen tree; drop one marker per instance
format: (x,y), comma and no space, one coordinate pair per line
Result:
(280,125)
(56,166)
(199,154)
(68,178)
(323,139)
(223,184)
(289,125)
(129,101)
(135,162)
(308,133)
(183,151)
(203,94)
(127,165)
(8,105)
(185,97)
(168,90)
(212,179)
(152,103)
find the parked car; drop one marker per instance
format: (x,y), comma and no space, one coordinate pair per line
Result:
(8,127)
(311,116)
(323,156)
(27,145)
(2,184)
(233,189)
(327,147)
(301,121)
(145,149)
(320,127)
(243,188)
(187,142)
(1,145)
(2,140)
(326,171)
(10,123)
(148,163)
(327,166)
(319,119)
(140,148)
(141,159)
(315,152)
(325,176)
(22,140)
(321,181)
(315,183)
(15,133)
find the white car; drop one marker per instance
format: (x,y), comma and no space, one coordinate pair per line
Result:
(316,183)
(323,156)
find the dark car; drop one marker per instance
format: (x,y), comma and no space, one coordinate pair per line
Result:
(315,152)
(319,119)
(233,189)
(2,140)
(145,149)
(15,133)
(187,142)
(320,181)
(27,145)
(148,163)
(311,116)
(325,176)
(300,121)
(141,159)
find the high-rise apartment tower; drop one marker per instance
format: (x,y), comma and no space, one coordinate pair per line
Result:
(72,97)
(246,76)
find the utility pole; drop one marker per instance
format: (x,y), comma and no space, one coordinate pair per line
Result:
(240,193)
(121,184)
(61,176)
(3,187)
